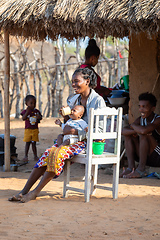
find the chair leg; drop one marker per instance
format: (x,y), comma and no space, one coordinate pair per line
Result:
(94,178)
(66,178)
(87,182)
(122,154)
(115,180)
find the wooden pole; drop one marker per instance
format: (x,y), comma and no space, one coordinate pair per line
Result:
(6,102)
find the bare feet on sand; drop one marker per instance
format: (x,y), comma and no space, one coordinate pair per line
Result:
(29,196)
(24,198)
(17,197)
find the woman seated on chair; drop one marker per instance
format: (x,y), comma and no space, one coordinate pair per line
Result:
(51,163)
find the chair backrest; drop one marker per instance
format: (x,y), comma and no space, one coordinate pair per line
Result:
(105,123)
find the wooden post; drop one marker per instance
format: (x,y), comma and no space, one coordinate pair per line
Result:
(118,63)
(6,102)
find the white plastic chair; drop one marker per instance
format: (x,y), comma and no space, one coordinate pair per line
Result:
(112,117)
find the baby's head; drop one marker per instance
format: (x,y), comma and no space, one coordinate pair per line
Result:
(30,101)
(77,112)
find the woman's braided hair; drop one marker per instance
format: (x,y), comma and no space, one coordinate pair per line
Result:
(88,73)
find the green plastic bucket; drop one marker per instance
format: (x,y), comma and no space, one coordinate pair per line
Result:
(124,81)
(98,148)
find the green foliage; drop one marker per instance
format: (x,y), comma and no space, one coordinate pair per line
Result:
(71,49)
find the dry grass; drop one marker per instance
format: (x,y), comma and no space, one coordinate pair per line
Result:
(71,18)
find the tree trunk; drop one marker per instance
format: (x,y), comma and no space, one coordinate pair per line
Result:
(48,105)
(16,81)
(24,64)
(77,51)
(53,95)
(40,82)
(118,63)
(57,106)
(66,68)
(1,104)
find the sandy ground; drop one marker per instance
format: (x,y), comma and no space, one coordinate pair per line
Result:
(134,215)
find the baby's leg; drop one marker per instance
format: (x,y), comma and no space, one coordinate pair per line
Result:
(66,142)
(60,139)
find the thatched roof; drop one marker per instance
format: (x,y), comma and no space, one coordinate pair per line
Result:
(39,18)
(121,18)
(72,18)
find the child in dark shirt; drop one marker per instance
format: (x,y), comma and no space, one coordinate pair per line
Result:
(142,138)
(32,117)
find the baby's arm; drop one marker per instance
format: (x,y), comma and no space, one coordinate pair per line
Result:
(86,129)
(58,122)
(66,118)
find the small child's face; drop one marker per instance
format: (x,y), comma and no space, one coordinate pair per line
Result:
(76,113)
(31,103)
(145,108)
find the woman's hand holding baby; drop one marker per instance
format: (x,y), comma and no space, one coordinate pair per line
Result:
(69,130)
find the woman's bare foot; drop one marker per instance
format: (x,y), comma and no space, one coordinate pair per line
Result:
(17,197)
(29,196)
(125,172)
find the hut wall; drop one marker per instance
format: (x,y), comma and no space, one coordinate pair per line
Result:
(144,66)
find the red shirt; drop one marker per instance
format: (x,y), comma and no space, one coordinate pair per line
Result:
(31,121)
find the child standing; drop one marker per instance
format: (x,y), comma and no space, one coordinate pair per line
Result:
(75,122)
(32,117)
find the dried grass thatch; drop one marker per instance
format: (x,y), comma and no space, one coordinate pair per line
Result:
(39,18)
(72,18)
(121,18)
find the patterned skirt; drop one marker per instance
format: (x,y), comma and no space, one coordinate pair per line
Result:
(54,157)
